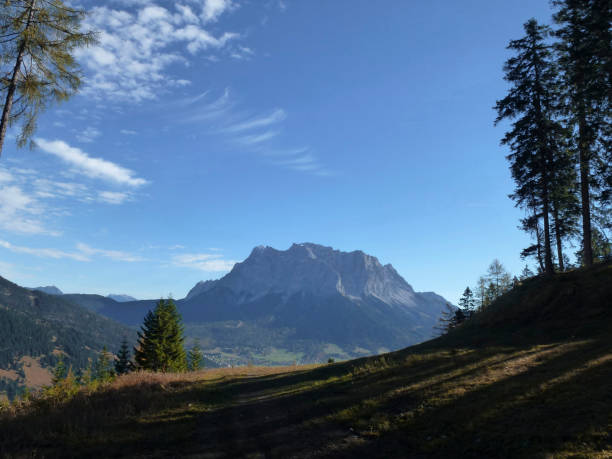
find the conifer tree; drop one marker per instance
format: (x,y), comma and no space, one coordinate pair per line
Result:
(37,66)
(59,372)
(195,357)
(161,340)
(535,135)
(585,57)
(467,302)
(103,369)
(123,364)
(144,353)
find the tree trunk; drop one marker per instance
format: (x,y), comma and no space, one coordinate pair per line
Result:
(548,264)
(8,103)
(558,237)
(583,149)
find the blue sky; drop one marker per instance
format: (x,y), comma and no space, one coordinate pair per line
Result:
(207,127)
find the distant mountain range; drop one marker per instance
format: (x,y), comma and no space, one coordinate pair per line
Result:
(53,290)
(306,303)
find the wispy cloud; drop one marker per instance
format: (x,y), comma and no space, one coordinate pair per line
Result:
(208,262)
(83,253)
(128,132)
(113,197)
(260,133)
(112,254)
(277,116)
(92,167)
(43,252)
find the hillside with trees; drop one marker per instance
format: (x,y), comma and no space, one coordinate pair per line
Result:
(38,330)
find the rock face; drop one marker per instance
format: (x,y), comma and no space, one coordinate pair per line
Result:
(200,287)
(322,294)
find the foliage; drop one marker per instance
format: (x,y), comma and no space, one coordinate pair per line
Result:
(195,358)
(37,64)
(467,301)
(123,364)
(104,368)
(160,342)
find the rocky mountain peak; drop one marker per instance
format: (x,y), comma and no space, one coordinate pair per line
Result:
(313,269)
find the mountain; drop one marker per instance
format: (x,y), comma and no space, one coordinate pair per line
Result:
(200,287)
(305,304)
(49,290)
(313,302)
(36,329)
(120,298)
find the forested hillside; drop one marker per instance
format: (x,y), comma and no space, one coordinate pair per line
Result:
(37,329)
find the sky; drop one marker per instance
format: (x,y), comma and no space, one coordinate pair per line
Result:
(205,128)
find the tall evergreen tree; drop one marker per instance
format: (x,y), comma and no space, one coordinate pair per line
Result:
(161,340)
(37,66)
(585,57)
(535,135)
(123,364)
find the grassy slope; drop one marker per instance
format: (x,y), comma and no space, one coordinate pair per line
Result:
(528,378)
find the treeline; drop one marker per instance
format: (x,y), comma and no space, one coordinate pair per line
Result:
(489,287)
(561,135)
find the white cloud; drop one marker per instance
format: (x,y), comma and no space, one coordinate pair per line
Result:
(89,166)
(137,45)
(20,212)
(113,197)
(128,132)
(204,262)
(89,134)
(215,8)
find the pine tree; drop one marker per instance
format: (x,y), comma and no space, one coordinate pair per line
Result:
(103,369)
(526,273)
(38,39)
(59,372)
(535,137)
(123,364)
(467,302)
(585,57)
(161,340)
(144,354)
(195,357)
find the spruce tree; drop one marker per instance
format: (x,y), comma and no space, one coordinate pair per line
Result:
(38,39)
(144,353)
(123,364)
(59,372)
(195,357)
(467,302)
(585,57)
(161,340)
(103,369)
(535,135)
